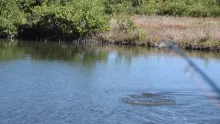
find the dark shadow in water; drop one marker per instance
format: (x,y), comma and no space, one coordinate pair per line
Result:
(149,99)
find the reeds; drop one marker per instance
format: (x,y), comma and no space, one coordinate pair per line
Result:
(185,32)
(192,32)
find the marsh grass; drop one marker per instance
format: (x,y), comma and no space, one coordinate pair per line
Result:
(185,32)
(193,33)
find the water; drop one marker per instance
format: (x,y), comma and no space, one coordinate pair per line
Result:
(54,83)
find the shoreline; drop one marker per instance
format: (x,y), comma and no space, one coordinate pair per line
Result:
(184,32)
(140,30)
(150,44)
(161,45)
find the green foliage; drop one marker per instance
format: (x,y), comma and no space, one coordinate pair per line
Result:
(195,8)
(176,8)
(10,17)
(78,17)
(117,6)
(68,17)
(27,5)
(131,6)
(126,25)
(147,7)
(75,17)
(199,10)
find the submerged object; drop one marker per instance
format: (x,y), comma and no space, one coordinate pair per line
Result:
(149,99)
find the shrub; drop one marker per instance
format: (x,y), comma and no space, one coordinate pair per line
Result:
(118,6)
(10,17)
(147,7)
(195,8)
(69,17)
(77,17)
(176,8)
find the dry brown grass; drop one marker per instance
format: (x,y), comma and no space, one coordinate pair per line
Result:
(180,29)
(186,32)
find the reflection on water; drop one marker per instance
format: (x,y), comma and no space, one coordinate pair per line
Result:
(85,53)
(63,83)
(10,51)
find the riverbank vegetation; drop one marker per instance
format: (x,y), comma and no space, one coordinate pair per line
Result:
(52,18)
(138,22)
(193,8)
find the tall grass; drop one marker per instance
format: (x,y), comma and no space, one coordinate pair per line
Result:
(187,32)
(178,29)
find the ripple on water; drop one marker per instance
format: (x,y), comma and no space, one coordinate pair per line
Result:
(149,99)
(189,108)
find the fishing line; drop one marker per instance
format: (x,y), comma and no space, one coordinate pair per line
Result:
(193,65)
(190,73)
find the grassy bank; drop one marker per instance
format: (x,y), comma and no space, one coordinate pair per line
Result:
(185,32)
(128,22)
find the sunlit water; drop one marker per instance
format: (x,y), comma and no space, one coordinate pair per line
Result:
(83,84)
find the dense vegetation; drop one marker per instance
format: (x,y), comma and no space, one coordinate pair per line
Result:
(194,8)
(51,18)
(76,18)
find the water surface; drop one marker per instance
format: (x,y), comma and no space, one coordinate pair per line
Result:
(55,83)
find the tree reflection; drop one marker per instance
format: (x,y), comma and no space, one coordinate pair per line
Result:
(86,54)
(10,51)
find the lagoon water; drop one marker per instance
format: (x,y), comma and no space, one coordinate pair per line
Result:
(51,83)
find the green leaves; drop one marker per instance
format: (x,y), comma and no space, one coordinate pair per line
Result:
(195,8)
(10,17)
(68,16)
(72,17)
(80,16)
